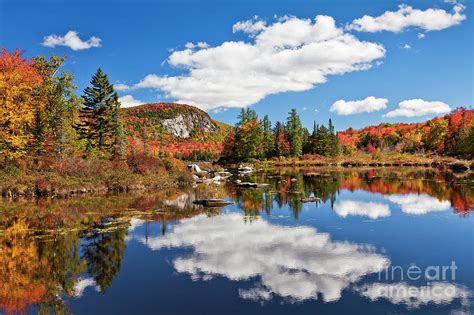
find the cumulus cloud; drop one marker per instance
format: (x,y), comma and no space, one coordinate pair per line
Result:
(406,46)
(419,204)
(367,105)
(420,35)
(407,17)
(414,296)
(296,263)
(250,26)
(129,101)
(418,107)
(71,40)
(292,54)
(370,209)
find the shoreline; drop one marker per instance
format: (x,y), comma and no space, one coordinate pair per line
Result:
(31,188)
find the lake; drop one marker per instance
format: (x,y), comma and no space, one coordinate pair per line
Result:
(378,241)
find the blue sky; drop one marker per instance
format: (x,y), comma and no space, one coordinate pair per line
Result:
(138,38)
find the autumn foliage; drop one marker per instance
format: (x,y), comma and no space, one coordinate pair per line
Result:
(19,98)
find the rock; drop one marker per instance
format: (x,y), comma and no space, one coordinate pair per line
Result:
(224,174)
(247,184)
(310,199)
(212,202)
(195,178)
(293,180)
(195,168)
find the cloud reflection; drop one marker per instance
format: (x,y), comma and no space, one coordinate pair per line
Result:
(297,263)
(370,209)
(419,204)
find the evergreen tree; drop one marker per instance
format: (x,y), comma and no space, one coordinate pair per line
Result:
(39,133)
(97,112)
(332,144)
(268,138)
(295,133)
(116,128)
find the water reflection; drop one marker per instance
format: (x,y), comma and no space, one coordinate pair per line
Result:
(52,252)
(373,210)
(413,191)
(297,263)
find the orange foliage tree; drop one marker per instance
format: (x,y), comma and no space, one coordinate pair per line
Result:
(19,80)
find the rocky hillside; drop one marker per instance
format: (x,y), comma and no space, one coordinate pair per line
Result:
(177,128)
(178,120)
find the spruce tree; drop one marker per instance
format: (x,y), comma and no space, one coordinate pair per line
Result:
(116,130)
(295,133)
(97,112)
(268,138)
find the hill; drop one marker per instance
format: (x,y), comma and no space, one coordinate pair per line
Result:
(451,134)
(174,129)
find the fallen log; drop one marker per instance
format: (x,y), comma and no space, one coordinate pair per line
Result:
(212,202)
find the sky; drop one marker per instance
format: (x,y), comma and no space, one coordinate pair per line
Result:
(356,62)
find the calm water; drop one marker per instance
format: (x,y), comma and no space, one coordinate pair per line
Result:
(381,241)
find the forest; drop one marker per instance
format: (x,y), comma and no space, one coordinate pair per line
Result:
(51,137)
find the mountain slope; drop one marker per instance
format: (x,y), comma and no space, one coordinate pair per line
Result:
(178,129)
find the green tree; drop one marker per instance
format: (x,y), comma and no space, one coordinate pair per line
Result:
(248,136)
(97,112)
(60,112)
(332,143)
(268,137)
(295,133)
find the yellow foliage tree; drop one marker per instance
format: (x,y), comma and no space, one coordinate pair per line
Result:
(19,83)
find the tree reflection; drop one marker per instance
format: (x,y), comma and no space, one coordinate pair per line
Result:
(286,187)
(103,253)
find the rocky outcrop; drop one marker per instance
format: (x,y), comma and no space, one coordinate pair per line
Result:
(183,125)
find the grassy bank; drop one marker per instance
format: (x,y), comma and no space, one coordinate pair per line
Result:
(76,176)
(379,160)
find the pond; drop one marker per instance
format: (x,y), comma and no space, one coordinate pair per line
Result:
(378,241)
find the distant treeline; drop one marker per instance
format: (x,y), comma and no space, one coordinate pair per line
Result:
(255,138)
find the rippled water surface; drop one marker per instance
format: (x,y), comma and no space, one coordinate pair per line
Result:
(381,241)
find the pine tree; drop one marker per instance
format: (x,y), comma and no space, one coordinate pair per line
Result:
(248,136)
(97,112)
(268,138)
(295,133)
(116,129)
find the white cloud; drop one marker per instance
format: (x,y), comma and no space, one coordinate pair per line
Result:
(71,40)
(367,105)
(419,204)
(406,17)
(413,296)
(250,26)
(406,46)
(190,45)
(129,101)
(370,209)
(418,107)
(121,87)
(297,263)
(420,35)
(291,54)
